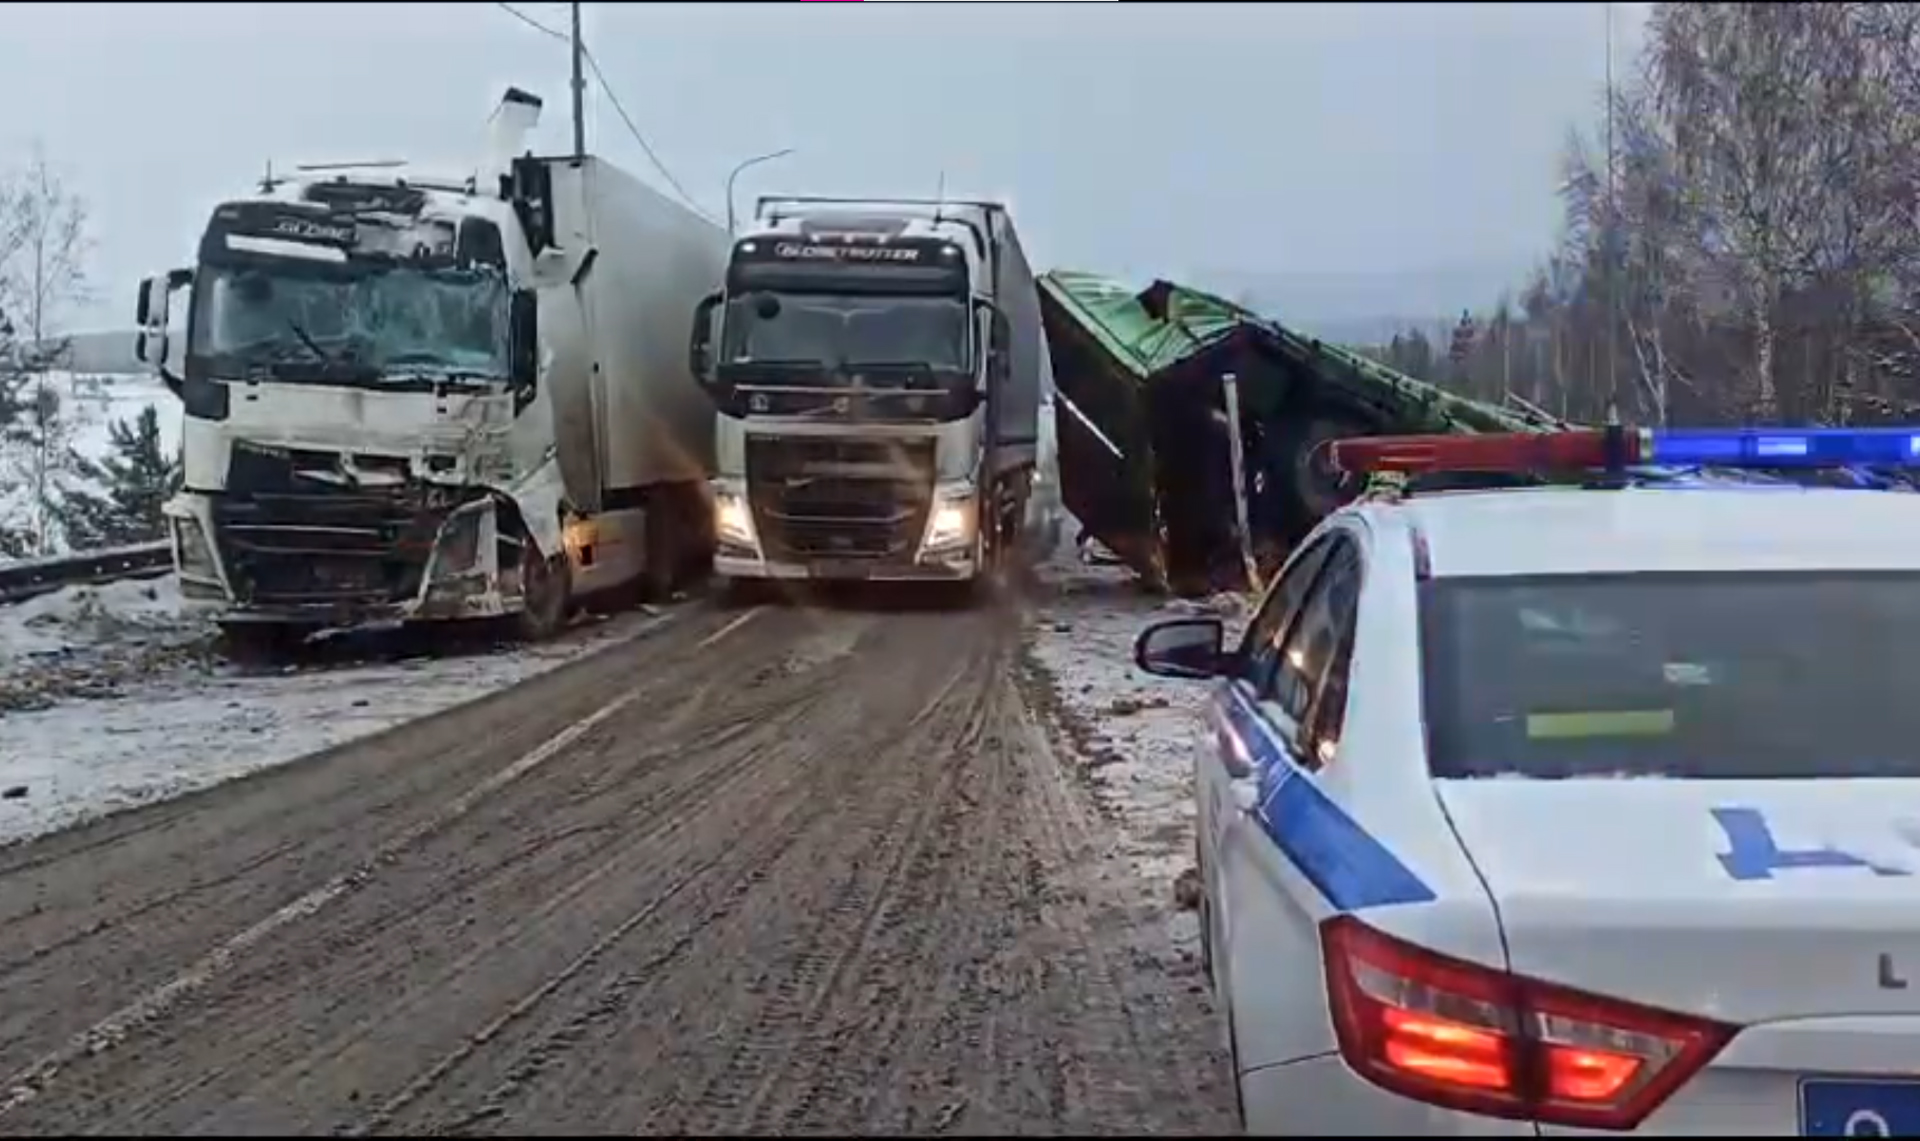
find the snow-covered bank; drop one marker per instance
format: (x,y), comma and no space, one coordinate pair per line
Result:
(1134,734)
(89,640)
(189,728)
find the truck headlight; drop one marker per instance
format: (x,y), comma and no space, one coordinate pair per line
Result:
(950,524)
(458,550)
(193,551)
(733,520)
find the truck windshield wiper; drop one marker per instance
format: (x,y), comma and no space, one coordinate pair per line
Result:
(307,340)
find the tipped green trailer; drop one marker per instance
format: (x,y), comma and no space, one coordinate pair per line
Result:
(1143,428)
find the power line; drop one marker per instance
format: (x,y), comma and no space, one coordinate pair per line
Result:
(530,22)
(594,66)
(606,89)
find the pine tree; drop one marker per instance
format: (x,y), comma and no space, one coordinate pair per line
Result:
(136,480)
(15,540)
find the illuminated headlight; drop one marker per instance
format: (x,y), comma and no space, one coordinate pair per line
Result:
(194,552)
(733,521)
(951,523)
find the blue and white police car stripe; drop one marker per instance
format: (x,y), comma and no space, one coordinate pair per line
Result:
(1347,864)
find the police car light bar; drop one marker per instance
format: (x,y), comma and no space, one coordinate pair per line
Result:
(1521,452)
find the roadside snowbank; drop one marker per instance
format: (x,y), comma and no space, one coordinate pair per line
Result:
(88,640)
(1134,734)
(76,617)
(186,730)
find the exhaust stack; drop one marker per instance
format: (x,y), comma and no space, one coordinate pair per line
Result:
(507,132)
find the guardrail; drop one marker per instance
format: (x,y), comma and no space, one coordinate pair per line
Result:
(23,580)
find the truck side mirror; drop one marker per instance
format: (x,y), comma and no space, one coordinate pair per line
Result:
(151,314)
(700,339)
(998,334)
(523,344)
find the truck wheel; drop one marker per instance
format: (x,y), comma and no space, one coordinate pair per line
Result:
(1311,489)
(546,586)
(662,544)
(739,593)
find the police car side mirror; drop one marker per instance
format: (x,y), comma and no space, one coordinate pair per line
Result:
(1188,648)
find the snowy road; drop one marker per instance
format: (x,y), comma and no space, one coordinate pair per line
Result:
(110,698)
(780,870)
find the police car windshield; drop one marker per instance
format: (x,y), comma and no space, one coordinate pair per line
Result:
(1730,676)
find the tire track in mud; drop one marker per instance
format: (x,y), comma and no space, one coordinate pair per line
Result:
(948,726)
(626,986)
(694,774)
(145,884)
(825,876)
(785,981)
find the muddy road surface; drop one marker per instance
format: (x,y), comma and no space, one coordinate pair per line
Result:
(776,870)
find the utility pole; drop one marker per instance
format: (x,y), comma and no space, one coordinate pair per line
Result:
(1610,234)
(579,88)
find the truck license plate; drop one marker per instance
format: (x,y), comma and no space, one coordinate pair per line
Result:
(840,568)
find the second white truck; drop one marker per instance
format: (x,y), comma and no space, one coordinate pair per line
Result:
(411,397)
(878,368)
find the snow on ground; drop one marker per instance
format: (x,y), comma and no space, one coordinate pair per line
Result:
(90,404)
(1134,734)
(88,640)
(139,739)
(77,618)
(94,402)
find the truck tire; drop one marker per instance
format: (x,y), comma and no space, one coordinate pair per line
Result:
(739,593)
(1310,490)
(546,586)
(662,543)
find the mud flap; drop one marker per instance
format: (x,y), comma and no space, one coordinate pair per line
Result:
(539,497)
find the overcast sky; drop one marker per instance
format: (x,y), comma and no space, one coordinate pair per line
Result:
(1394,144)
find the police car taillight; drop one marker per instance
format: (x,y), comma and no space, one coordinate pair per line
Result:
(1452,1033)
(1523,452)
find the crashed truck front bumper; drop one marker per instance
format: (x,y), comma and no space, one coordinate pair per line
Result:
(308,562)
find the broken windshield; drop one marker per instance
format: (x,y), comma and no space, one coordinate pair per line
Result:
(848,331)
(371,321)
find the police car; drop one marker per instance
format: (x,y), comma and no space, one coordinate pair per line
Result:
(1569,809)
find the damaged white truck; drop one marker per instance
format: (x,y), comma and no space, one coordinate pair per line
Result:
(411,398)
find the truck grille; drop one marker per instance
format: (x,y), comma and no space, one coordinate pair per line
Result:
(324,549)
(820,498)
(290,534)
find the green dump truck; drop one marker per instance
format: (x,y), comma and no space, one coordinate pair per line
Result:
(1144,424)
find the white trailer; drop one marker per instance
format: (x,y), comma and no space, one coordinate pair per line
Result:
(413,398)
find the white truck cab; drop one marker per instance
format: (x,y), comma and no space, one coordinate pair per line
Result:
(414,397)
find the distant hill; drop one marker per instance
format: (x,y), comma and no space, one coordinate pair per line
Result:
(104,351)
(1365,308)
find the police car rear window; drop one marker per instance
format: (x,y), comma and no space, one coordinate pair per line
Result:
(1717,676)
